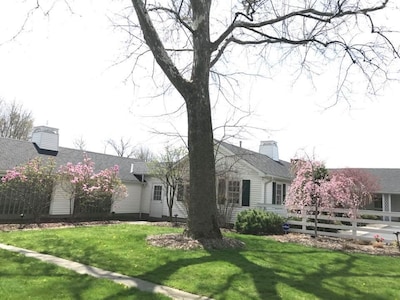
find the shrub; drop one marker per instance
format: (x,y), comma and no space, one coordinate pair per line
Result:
(257,222)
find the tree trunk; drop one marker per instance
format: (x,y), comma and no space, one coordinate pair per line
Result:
(203,216)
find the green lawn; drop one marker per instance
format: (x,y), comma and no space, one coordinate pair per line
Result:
(265,269)
(28,278)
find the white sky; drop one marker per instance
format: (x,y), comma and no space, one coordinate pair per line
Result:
(61,70)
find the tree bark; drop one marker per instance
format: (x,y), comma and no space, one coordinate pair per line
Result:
(203,216)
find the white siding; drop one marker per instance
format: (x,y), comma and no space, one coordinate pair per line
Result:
(147,194)
(177,209)
(60,202)
(131,203)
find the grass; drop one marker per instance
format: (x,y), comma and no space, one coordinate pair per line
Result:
(28,278)
(265,269)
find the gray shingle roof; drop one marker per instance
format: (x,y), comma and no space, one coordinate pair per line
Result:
(388,179)
(261,162)
(15,152)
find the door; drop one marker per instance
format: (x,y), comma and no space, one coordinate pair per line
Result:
(156,205)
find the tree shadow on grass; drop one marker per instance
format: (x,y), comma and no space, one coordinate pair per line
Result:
(274,273)
(24,277)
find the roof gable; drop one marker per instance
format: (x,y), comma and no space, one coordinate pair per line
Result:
(261,162)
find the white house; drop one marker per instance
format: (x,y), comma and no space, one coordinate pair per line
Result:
(245,179)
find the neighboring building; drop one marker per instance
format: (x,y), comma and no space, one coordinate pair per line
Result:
(387,197)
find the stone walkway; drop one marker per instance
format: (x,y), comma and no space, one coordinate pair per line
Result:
(100,273)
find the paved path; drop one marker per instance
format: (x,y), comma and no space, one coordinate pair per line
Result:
(100,273)
(383,230)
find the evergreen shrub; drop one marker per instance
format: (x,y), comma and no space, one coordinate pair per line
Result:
(259,222)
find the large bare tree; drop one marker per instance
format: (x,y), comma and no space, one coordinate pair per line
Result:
(188,39)
(15,121)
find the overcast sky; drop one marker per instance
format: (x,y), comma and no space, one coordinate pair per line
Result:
(62,68)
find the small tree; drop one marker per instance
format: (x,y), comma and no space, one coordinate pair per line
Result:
(313,186)
(31,184)
(170,169)
(87,188)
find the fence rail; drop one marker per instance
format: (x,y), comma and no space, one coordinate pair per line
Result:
(336,223)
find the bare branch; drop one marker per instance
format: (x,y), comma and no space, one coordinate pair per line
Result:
(157,47)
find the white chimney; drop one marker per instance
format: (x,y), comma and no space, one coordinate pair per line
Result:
(46,138)
(269,148)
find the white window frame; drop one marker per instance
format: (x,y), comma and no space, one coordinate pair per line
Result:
(157,192)
(279,194)
(233,191)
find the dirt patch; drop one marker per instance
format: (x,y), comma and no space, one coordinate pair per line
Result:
(179,241)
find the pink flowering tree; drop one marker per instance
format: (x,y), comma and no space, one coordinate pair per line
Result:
(90,191)
(314,187)
(31,187)
(360,186)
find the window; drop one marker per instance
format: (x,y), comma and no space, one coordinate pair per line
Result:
(221,191)
(183,192)
(233,191)
(180,193)
(157,192)
(278,193)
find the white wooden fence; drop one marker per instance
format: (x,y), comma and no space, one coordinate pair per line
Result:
(337,223)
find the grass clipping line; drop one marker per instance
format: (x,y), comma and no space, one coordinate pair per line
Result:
(180,241)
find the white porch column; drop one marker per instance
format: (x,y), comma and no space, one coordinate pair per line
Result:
(387,206)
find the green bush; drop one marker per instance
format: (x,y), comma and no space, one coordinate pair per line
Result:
(257,222)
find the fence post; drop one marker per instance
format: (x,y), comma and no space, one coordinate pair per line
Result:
(303,221)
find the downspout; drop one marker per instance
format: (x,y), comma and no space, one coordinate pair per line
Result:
(142,183)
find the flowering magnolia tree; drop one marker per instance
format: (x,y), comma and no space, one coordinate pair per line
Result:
(89,190)
(314,187)
(31,186)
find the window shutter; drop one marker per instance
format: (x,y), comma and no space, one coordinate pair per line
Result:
(246,193)
(284,193)
(274,193)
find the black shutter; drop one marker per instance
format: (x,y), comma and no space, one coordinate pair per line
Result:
(274,193)
(246,193)
(284,193)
